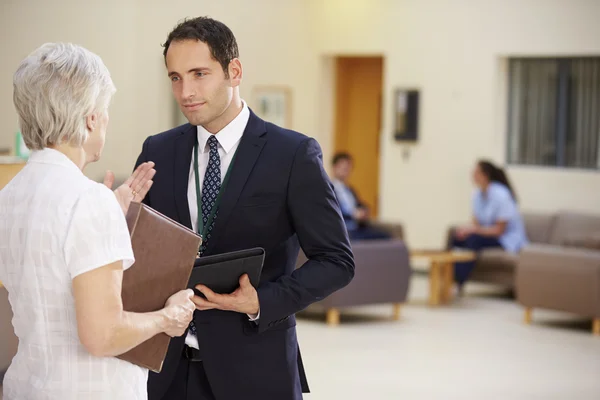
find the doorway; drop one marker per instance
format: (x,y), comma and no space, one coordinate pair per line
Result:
(357,122)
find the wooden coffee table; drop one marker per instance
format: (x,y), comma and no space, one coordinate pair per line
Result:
(441,271)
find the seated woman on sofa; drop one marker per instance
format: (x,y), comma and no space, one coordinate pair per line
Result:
(496,218)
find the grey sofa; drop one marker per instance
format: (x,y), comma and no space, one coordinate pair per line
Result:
(558,270)
(382,276)
(562,273)
(497,266)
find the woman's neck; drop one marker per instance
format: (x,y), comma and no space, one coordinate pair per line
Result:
(75,154)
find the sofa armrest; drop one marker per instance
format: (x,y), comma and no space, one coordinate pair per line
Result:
(559,278)
(449,236)
(549,256)
(382,275)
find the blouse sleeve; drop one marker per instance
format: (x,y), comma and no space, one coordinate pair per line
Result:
(98,233)
(504,206)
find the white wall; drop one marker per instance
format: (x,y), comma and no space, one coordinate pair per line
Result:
(453,51)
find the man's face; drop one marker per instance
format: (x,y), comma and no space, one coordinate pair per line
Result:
(343,169)
(198,81)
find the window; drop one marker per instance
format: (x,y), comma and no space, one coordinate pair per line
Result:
(554,112)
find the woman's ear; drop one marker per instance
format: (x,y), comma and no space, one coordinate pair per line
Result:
(91,121)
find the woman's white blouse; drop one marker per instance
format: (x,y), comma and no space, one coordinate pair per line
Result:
(56,224)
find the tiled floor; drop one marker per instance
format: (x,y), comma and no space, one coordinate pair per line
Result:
(477,348)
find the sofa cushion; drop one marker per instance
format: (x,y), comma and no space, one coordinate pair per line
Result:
(590,241)
(570,225)
(538,227)
(497,258)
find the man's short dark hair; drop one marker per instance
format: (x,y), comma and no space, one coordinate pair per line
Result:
(341,156)
(215,34)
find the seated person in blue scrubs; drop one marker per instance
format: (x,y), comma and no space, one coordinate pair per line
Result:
(496,218)
(354,211)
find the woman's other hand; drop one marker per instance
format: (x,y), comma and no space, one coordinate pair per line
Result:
(179,311)
(135,188)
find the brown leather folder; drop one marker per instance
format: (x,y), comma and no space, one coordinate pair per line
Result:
(164,252)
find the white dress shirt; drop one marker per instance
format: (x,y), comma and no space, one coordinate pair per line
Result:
(56,224)
(229,139)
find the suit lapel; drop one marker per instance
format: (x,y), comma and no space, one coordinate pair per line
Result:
(248,151)
(184,147)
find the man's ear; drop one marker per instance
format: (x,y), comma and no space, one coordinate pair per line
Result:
(91,121)
(235,72)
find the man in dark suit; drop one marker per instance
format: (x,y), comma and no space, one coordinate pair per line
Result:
(354,211)
(241,182)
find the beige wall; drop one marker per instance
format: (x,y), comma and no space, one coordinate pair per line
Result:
(453,51)
(107,28)
(272,35)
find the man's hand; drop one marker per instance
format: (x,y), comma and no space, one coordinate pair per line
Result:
(243,300)
(135,188)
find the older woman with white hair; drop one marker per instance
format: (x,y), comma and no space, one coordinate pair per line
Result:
(65,242)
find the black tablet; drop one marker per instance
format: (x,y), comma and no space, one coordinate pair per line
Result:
(221,272)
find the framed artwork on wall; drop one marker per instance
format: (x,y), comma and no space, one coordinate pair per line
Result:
(406,115)
(273,103)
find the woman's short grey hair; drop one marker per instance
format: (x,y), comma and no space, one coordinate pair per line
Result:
(55,88)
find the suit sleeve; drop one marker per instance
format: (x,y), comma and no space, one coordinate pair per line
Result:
(322,234)
(142,158)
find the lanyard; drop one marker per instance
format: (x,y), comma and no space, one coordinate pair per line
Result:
(202,230)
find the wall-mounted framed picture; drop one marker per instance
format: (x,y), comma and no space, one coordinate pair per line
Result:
(406,115)
(273,103)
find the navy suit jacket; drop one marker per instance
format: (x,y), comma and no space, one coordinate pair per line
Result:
(278,198)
